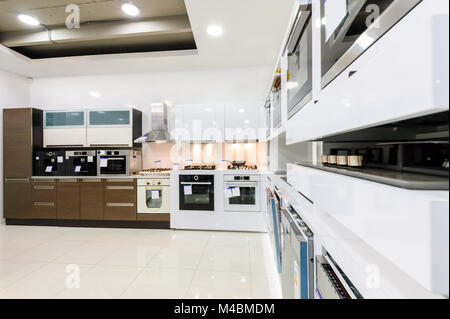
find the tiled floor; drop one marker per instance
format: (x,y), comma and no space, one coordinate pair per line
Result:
(51,262)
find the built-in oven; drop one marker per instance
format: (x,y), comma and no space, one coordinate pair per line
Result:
(196,192)
(242,193)
(300,62)
(81,163)
(153,196)
(350,27)
(113,163)
(49,163)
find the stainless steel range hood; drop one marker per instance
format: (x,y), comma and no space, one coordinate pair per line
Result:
(159,132)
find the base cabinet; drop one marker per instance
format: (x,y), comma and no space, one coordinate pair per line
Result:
(120,199)
(68,199)
(17,198)
(91,199)
(43,194)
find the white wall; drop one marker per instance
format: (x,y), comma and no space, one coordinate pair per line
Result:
(14,92)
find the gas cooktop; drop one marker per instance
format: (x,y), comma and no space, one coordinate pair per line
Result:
(156,172)
(201,167)
(243,168)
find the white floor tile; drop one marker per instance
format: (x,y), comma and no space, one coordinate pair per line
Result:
(218,285)
(131,255)
(13,271)
(102,282)
(48,251)
(226,258)
(44,283)
(160,284)
(265,287)
(177,258)
(87,253)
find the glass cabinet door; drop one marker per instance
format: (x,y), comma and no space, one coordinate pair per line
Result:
(64,119)
(276,108)
(110,118)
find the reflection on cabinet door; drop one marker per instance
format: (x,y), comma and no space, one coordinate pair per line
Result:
(17,198)
(68,199)
(91,199)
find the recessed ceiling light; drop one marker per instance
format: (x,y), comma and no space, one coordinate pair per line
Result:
(25,18)
(208,109)
(241,110)
(215,30)
(130,9)
(95,94)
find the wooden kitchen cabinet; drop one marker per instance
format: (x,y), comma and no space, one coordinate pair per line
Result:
(120,199)
(68,199)
(91,199)
(43,195)
(17,198)
(22,133)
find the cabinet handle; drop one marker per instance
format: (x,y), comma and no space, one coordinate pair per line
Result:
(120,204)
(352,73)
(124,180)
(116,188)
(68,180)
(92,180)
(44,204)
(41,188)
(17,180)
(44,180)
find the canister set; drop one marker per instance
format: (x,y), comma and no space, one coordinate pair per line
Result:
(343,160)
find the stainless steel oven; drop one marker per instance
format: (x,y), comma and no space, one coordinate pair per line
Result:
(196,192)
(113,163)
(300,62)
(350,27)
(242,193)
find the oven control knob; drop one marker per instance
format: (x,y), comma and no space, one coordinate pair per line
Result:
(159,183)
(196,178)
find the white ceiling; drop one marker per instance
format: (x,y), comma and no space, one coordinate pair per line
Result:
(253,35)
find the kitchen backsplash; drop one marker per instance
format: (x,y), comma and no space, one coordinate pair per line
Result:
(166,154)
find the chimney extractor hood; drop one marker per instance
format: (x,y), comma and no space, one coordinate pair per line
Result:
(159,130)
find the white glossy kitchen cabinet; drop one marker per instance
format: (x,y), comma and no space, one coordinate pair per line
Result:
(110,128)
(408,227)
(242,122)
(65,128)
(404,74)
(200,123)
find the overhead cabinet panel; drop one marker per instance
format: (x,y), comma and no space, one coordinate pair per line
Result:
(119,127)
(65,128)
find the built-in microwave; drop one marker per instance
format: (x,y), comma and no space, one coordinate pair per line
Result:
(300,62)
(350,27)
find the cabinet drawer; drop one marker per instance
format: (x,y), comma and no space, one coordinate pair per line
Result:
(111,182)
(43,194)
(120,211)
(120,194)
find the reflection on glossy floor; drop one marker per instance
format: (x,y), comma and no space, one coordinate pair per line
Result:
(50,262)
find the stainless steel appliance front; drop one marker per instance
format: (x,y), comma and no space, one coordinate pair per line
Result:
(153,195)
(113,162)
(350,27)
(242,193)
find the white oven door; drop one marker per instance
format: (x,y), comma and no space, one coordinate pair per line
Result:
(153,199)
(248,200)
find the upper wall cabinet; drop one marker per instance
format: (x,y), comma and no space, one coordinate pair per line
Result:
(242,122)
(392,79)
(65,128)
(117,127)
(201,123)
